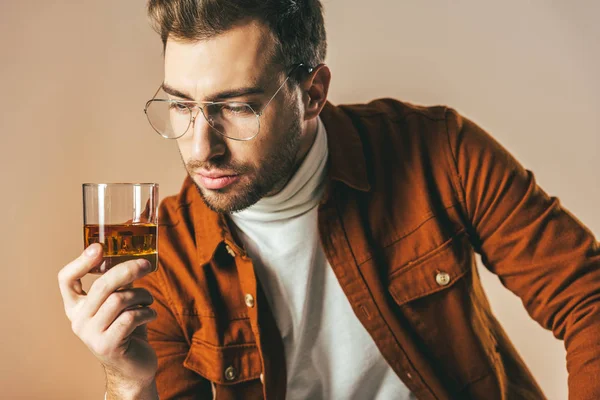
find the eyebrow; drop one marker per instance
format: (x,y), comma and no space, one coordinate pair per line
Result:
(223,95)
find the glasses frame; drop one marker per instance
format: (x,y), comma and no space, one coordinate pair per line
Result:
(191,105)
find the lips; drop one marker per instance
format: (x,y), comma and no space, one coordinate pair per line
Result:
(216,180)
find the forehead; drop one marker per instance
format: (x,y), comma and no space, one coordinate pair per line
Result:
(236,58)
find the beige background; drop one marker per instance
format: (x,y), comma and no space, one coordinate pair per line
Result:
(75,76)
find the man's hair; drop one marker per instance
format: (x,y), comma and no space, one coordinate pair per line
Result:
(297,25)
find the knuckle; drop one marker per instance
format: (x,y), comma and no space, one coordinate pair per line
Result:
(62,275)
(128,317)
(115,301)
(130,271)
(100,285)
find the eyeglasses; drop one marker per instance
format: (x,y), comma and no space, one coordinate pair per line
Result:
(234,120)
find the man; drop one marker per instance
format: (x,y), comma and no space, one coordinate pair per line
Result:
(323,252)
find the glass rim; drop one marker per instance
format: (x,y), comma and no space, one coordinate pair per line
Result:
(120,184)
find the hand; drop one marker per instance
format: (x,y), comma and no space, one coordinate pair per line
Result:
(111,321)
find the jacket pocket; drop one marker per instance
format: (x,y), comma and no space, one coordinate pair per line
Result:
(435,271)
(437,296)
(224,365)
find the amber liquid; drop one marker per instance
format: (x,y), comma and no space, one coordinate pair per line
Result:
(122,243)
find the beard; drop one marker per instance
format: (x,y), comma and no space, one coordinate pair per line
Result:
(274,171)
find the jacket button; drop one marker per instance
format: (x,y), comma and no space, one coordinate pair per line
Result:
(262,379)
(230,250)
(249,300)
(442,278)
(230,373)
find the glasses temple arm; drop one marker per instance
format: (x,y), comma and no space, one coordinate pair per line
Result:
(310,70)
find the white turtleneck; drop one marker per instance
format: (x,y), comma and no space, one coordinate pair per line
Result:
(328,352)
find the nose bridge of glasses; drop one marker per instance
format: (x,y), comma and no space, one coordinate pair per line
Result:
(203,129)
(205,110)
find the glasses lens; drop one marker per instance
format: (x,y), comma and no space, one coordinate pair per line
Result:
(170,119)
(234,120)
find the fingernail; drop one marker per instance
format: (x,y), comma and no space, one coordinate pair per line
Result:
(145,264)
(92,250)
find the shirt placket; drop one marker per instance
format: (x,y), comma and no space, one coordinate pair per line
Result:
(273,377)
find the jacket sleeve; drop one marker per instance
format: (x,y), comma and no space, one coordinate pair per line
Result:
(173,380)
(540,251)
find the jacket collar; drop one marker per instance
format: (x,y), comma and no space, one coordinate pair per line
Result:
(347,164)
(346,156)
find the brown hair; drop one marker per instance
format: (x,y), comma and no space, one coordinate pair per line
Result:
(297,25)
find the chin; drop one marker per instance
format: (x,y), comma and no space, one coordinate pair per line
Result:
(231,199)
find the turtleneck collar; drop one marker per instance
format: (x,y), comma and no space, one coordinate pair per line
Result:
(302,192)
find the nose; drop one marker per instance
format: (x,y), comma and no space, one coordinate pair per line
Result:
(207,143)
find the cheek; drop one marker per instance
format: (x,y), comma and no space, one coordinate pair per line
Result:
(185,149)
(264,148)
(274,132)
(248,154)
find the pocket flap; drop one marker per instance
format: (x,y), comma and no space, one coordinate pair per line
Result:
(435,271)
(224,365)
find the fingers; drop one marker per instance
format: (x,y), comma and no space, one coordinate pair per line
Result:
(115,278)
(69,278)
(116,303)
(126,323)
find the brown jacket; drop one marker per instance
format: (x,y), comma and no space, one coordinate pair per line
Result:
(413,193)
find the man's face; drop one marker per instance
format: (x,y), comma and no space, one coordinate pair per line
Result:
(236,66)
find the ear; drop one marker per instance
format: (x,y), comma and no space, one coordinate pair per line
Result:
(314,91)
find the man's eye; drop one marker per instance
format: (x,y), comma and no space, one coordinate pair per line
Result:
(237,109)
(181,108)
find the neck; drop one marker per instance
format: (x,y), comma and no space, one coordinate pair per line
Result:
(306,141)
